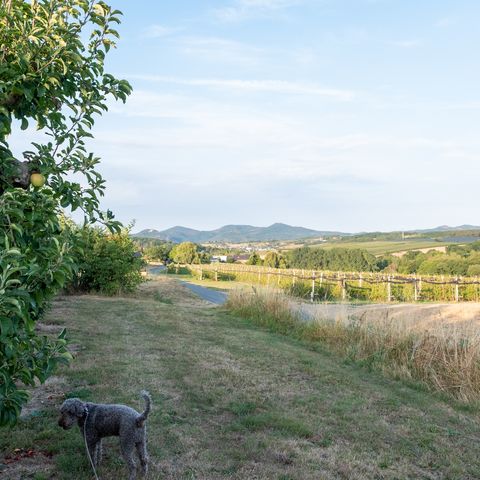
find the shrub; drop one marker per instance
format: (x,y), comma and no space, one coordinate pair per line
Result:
(107,263)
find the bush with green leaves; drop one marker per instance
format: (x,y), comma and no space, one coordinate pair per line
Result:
(188,253)
(107,263)
(52,76)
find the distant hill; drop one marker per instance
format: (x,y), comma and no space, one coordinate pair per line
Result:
(235,234)
(446,228)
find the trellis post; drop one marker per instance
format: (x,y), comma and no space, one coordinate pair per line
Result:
(312,294)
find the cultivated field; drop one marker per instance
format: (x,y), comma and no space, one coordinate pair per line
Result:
(233,401)
(383,247)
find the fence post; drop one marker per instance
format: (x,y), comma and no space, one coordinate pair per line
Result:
(389,289)
(457,293)
(312,294)
(344,288)
(416,289)
(176,268)
(201,273)
(216,274)
(360,280)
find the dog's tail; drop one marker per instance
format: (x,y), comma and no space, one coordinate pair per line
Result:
(148,405)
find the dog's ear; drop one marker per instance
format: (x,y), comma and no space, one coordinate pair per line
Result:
(79,408)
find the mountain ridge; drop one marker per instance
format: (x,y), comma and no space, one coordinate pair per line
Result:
(235,233)
(249,233)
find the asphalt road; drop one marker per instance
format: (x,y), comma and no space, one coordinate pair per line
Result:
(213,296)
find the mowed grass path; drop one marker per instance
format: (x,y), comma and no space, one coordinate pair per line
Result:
(234,401)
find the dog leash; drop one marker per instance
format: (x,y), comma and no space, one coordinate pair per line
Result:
(86,444)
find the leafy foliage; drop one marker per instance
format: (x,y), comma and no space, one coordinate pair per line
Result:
(274,260)
(188,252)
(52,70)
(254,259)
(107,263)
(35,262)
(52,74)
(458,260)
(345,259)
(157,250)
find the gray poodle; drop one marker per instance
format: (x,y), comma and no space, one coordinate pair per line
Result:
(97,420)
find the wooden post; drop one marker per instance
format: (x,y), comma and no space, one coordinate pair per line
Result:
(415,286)
(176,268)
(457,293)
(389,289)
(344,288)
(360,281)
(216,274)
(312,294)
(201,273)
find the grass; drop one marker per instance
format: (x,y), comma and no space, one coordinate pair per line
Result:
(444,356)
(236,401)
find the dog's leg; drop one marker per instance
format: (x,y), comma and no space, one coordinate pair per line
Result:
(143,455)
(127,445)
(92,444)
(98,453)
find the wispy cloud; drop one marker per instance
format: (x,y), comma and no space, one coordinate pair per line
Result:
(407,43)
(217,49)
(155,31)
(267,86)
(244,9)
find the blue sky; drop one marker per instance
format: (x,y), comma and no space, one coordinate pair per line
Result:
(347,115)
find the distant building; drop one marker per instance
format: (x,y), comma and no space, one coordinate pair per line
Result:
(219,259)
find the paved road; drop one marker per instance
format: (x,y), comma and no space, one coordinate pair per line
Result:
(157,269)
(213,296)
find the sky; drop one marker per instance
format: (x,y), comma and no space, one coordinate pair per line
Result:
(350,115)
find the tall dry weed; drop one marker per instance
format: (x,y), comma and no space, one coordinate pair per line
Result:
(444,356)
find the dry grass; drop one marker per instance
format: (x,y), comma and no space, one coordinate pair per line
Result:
(234,401)
(444,355)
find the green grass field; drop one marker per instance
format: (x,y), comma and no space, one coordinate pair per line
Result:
(233,401)
(382,247)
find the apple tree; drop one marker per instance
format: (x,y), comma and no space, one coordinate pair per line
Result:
(52,77)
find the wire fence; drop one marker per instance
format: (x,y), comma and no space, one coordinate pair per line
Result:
(333,286)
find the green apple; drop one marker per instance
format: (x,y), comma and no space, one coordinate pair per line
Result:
(37,179)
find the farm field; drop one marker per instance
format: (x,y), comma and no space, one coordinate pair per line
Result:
(383,247)
(233,401)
